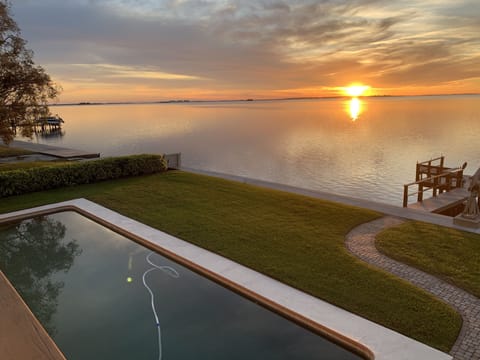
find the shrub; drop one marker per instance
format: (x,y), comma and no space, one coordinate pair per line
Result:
(16,182)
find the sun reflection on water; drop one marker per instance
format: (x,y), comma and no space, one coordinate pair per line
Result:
(354,108)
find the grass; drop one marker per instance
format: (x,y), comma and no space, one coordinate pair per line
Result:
(447,253)
(295,239)
(6,151)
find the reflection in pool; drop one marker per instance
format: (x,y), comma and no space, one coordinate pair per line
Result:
(107,297)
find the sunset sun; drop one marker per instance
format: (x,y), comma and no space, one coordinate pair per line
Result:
(356,90)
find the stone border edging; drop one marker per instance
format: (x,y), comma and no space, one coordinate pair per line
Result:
(360,241)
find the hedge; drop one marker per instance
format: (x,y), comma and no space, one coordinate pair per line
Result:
(16,182)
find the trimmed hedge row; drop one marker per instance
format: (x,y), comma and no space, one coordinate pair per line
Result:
(16,182)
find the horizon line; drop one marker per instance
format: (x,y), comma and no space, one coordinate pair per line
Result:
(183,101)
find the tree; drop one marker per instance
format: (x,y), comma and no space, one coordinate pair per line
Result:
(25,89)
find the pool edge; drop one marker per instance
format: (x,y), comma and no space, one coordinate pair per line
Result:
(315,327)
(360,344)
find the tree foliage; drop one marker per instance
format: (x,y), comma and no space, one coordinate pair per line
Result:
(25,88)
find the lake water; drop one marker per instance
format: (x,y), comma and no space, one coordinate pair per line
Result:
(362,148)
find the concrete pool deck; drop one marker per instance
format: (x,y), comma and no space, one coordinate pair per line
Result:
(370,338)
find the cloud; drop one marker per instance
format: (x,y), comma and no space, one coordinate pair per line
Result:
(255,46)
(117,71)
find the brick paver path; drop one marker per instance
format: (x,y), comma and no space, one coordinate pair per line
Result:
(361,242)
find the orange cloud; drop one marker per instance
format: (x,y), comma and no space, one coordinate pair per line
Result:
(129,50)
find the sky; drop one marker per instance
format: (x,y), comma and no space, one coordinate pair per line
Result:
(154,50)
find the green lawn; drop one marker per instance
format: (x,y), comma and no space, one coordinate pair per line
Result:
(447,253)
(6,151)
(295,239)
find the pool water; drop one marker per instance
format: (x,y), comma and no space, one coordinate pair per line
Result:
(103,296)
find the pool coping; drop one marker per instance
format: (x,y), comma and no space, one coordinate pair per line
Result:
(356,333)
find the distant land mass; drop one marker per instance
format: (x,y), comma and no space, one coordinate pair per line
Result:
(182,101)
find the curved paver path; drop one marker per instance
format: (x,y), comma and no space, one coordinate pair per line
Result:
(361,242)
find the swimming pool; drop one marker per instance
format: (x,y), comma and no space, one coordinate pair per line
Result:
(101,295)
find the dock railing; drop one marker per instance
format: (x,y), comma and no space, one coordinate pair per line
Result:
(427,169)
(448,179)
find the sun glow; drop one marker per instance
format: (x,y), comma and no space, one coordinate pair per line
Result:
(356,90)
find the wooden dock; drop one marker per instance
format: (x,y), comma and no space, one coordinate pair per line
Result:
(59,152)
(442,202)
(447,185)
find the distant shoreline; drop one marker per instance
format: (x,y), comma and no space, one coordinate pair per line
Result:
(187,101)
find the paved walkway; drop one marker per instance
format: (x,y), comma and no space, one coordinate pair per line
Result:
(361,242)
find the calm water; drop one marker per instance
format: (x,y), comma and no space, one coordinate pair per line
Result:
(84,283)
(313,144)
